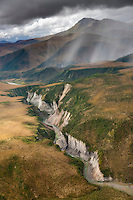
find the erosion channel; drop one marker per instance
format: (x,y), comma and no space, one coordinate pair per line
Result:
(73,147)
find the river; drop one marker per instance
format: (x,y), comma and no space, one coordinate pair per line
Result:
(11,83)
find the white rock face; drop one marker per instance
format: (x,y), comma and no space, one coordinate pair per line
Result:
(36,100)
(60,139)
(67,88)
(66,117)
(54,106)
(93,172)
(55,118)
(59,117)
(29,97)
(77,148)
(76,144)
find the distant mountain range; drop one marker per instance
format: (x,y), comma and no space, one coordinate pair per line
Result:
(87,41)
(3,41)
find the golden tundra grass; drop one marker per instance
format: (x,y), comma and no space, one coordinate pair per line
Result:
(42,170)
(111,97)
(13,116)
(50,85)
(113,101)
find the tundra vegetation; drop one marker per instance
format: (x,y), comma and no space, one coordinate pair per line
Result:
(32,168)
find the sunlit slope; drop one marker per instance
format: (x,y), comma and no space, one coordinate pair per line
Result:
(38,171)
(104,119)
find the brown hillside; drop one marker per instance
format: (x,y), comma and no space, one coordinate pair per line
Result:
(32,55)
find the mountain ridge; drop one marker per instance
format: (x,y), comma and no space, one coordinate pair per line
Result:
(88,41)
(126,59)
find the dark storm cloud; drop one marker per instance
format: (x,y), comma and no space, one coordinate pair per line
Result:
(21,11)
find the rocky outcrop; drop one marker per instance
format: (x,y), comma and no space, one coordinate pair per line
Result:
(92,170)
(36,100)
(59,119)
(60,139)
(77,148)
(67,88)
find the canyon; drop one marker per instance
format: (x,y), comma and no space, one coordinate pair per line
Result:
(73,147)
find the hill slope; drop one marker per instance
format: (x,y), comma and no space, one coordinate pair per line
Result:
(32,55)
(6,48)
(88,48)
(128,58)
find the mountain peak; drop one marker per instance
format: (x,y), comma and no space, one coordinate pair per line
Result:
(86,20)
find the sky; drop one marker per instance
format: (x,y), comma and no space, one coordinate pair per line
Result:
(24,19)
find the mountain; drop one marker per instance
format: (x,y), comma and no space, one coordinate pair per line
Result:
(88,41)
(88,48)
(95,41)
(128,58)
(105,27)
(8,47)
(32,55)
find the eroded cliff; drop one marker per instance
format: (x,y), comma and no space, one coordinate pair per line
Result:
(36,100)
(76,148)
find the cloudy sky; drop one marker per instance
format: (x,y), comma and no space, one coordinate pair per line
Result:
(24,19)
